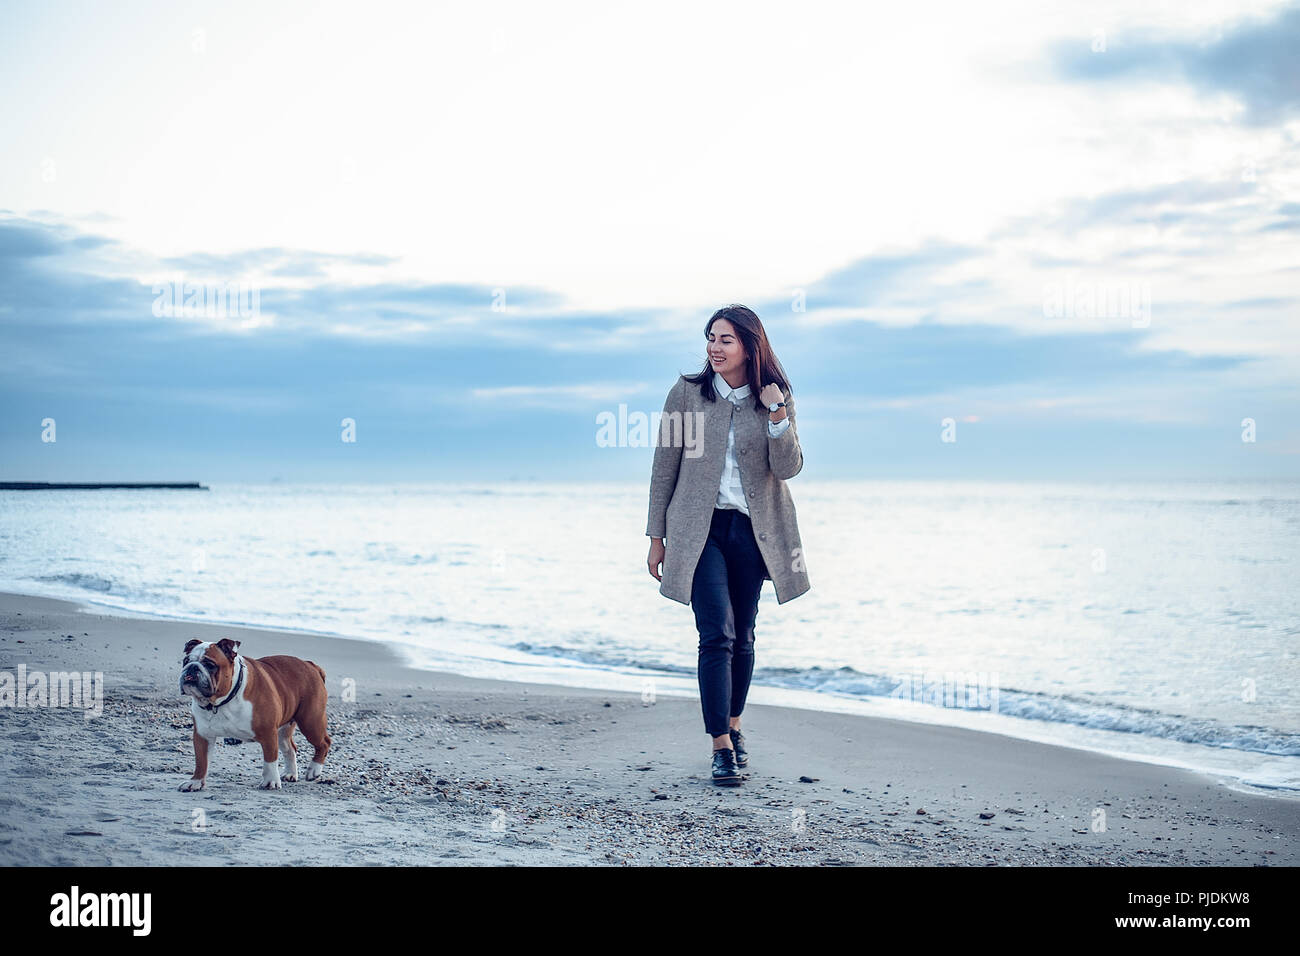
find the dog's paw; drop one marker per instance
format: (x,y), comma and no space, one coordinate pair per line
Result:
(314,770)
(191,785)
(270,775)
(290,778)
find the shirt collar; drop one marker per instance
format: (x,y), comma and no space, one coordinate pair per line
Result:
(736,395)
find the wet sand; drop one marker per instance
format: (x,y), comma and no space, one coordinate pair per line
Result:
(429,768)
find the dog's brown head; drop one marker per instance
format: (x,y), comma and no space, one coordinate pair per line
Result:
(208,669)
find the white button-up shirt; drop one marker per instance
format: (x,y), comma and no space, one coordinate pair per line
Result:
(730,492)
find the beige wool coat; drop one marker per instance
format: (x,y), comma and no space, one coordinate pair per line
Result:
(690,453)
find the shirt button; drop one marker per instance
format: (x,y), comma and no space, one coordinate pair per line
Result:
(762,536)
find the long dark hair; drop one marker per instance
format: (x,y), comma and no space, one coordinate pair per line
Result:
(762,367)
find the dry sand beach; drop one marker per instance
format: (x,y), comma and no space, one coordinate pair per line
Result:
(431,768)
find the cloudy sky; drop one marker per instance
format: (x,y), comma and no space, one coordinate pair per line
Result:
(1073,229)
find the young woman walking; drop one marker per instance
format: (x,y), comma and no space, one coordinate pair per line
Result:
(721,517)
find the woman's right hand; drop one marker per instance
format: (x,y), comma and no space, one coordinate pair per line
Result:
(656,558)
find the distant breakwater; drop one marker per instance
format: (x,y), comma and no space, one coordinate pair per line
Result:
(95,486)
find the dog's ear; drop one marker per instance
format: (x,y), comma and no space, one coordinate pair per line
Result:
(228,648)
(189,647)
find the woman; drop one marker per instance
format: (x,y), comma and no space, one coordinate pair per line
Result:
(721,518)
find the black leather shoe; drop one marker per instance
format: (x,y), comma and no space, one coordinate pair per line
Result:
(738,742)
(725,771)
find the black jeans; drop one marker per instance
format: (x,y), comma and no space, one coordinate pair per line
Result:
(724,594)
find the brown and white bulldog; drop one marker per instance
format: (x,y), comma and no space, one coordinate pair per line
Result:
(248,698)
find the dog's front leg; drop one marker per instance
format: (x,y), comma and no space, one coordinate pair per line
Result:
(200,764)
(290,749)
(270,761)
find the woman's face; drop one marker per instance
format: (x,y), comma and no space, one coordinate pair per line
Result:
(726,354)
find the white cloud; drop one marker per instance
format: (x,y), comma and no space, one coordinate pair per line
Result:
(624,161)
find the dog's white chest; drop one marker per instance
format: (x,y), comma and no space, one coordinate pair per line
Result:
(234,719)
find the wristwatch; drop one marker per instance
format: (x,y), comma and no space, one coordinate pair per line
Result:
(775,405)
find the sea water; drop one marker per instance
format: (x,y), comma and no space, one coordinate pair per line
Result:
(1151,620)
